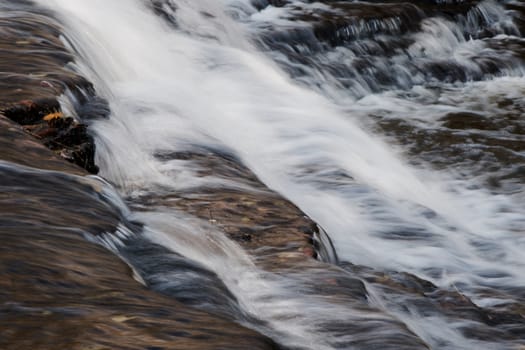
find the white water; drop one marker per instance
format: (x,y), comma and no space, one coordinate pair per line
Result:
(206,85)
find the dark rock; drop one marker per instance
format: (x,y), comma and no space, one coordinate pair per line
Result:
(32,112)
(64,135)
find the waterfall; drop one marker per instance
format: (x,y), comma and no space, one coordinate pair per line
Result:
(356,129)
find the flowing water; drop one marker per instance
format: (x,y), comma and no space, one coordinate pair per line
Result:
(398,127)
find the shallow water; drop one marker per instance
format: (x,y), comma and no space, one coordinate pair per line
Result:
(399,130)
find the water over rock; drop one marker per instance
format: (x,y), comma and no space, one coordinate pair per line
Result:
(61,288)
(35,71)
(58,287)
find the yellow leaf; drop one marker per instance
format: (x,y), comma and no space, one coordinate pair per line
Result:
(52,116)
(121,319)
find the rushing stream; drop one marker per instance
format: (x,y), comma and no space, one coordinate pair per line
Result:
(399,127)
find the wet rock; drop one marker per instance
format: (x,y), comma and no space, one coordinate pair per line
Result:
(468,121)
(372,46)
(16,145)
(32,112)
(259,219)
(519,10)
(58,289)
(67,137)
(403,290)
(351,21)
(33,74)
(489,145)
(187,281)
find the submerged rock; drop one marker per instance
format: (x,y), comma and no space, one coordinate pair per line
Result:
(502,325)
(265,223)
